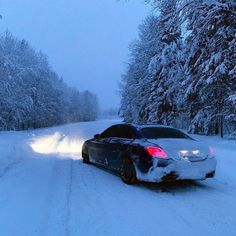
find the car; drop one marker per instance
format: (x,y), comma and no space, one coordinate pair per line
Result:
(150,153)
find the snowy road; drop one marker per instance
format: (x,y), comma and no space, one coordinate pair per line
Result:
(46,190)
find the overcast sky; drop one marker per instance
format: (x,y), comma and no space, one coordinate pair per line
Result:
(86,41)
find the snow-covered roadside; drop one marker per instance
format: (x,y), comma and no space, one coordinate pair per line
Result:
(10,150)
(51,192)
(225,151)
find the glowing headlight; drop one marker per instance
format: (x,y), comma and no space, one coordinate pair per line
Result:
(184,152)
(196,152)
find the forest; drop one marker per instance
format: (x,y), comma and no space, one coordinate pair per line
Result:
(182,67)
(32,95)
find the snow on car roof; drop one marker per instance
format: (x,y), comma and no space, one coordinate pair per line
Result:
(150,125)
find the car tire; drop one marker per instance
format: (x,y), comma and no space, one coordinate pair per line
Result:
(128,172)
(85,157)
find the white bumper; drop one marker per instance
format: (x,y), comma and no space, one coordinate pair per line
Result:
(182,169)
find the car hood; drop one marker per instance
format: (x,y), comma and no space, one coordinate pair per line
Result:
(173,147)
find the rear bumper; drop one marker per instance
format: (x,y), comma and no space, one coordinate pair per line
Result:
(179,170)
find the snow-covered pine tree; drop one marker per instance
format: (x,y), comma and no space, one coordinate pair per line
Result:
(135,86)
(166,68)
(211,56)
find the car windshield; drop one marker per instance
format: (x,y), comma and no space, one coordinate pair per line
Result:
(162,132)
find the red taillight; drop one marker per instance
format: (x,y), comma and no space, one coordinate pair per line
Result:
(212,153)
(156,152)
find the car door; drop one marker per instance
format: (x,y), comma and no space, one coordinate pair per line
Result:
(96,154)
(100,148)
(118,146)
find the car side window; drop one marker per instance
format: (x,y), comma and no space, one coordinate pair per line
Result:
(126,132)
(110,132)
(106,133)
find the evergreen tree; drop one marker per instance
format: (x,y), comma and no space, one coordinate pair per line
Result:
(182,68)
(135,86)
(211,51)
(167,68)
(31,94)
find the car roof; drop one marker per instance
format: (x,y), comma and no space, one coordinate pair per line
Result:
(140,126)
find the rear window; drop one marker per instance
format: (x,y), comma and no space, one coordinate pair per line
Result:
(162,132)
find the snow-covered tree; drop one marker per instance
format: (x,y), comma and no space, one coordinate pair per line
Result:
(211,56)
(135,86)
(167,67)
(31,94)
(152,81)
(186,68)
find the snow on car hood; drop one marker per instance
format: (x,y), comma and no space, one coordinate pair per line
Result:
(173,146)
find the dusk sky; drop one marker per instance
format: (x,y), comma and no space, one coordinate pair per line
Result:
(86,41)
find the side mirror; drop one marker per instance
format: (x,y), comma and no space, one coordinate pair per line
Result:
(97,136)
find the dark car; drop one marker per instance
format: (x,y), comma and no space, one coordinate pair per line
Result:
(150,153)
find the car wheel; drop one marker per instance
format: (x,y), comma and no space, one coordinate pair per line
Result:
(85,157)
(128,173)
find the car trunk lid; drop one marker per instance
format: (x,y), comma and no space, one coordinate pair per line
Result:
(182,148)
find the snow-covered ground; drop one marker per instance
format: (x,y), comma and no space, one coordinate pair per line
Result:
(46,190)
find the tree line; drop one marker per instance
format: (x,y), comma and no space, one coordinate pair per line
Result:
(32,95)
(182,67)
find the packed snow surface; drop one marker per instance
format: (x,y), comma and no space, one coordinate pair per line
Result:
(45,189)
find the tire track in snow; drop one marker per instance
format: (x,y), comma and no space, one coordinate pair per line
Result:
(57,203)
(48,201)
(68,200)
(14,159)
(9,167)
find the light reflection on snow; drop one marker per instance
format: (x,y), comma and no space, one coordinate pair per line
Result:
(58,143)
